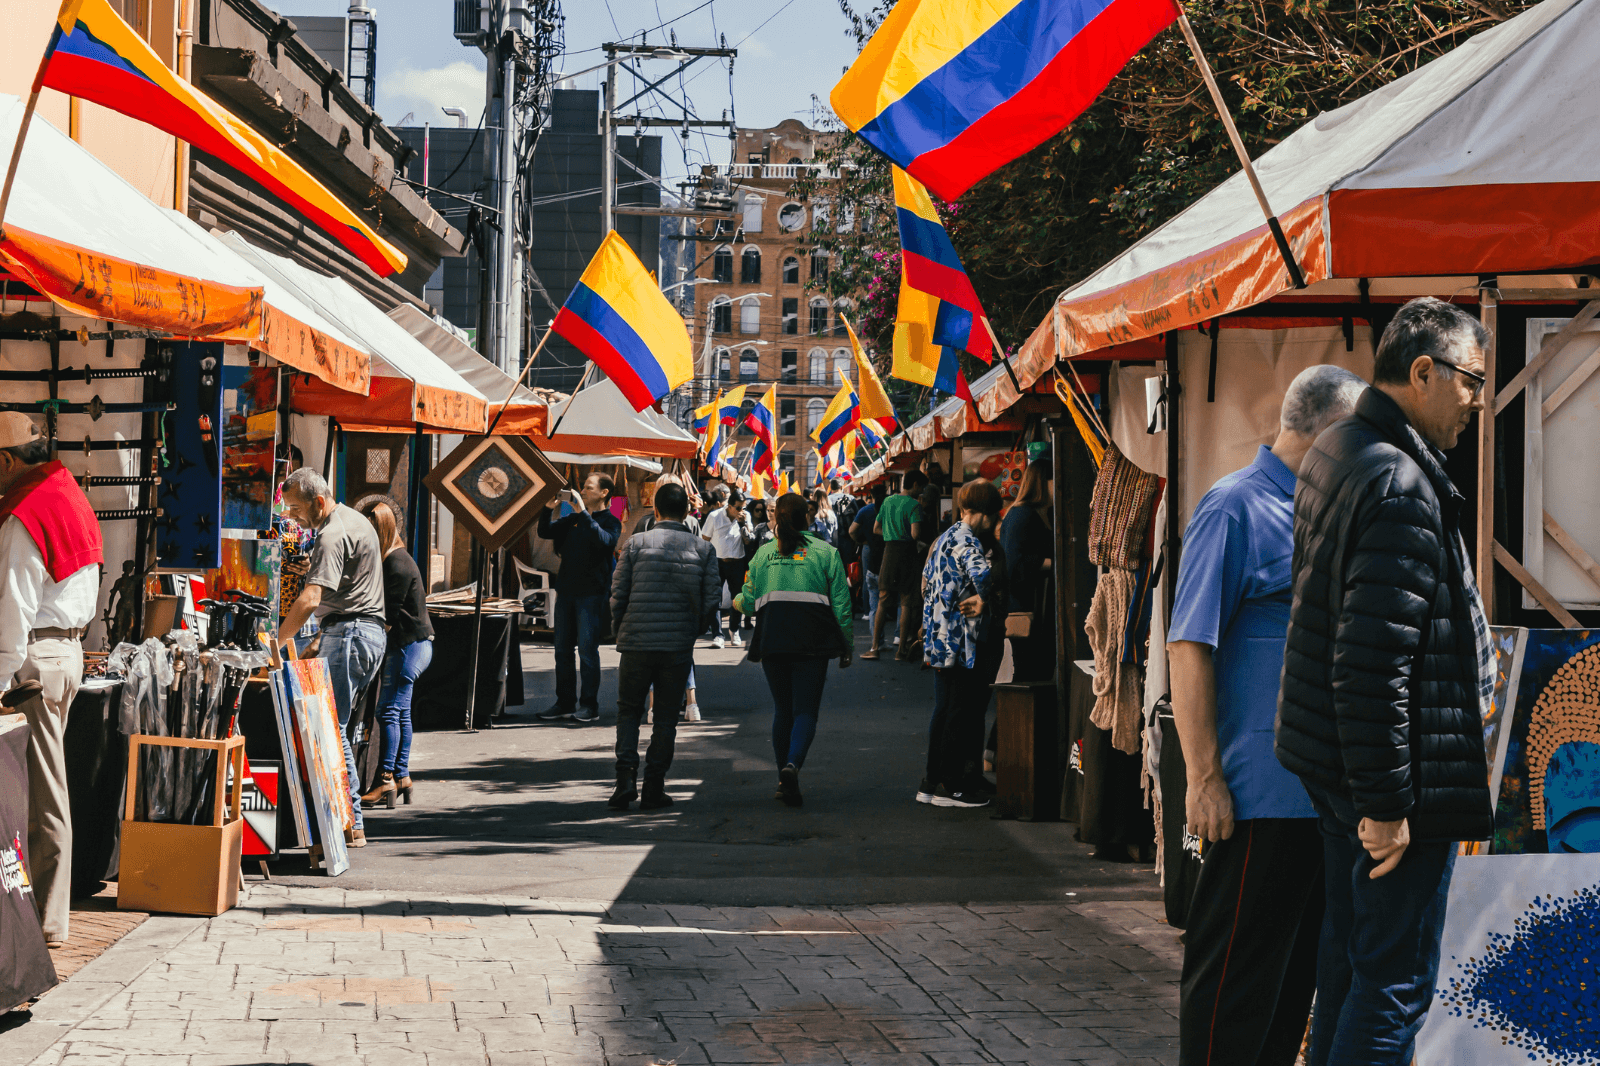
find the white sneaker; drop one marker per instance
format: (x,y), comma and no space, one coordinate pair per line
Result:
(691,713)
(718,642)
(649,717)
(737,643)
(897,641)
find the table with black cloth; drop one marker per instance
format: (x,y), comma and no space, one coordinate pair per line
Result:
(439,699)
(1101,793)
(97,766)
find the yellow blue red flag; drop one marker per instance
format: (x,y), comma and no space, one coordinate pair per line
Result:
(763,422)
(929,263)
(874,400)
(728,406)
(951,90)
(841,415)
(94,55)
(917,358)
(617,316)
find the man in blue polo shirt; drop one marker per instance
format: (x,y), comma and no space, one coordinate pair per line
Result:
(1250,949)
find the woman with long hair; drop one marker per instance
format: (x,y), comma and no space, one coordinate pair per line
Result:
(963,586)
(409,653)
(1027,536)
(796,588)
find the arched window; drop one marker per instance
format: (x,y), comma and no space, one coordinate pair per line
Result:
(842,360)
(749,315)
(819,316)
(750,265)
(724,364)
(791,271)
(722,265)
(791,217)
(752,212)
(721,315)
(749,365)
(814,411)
(819,265)
(817,367)
(841,307)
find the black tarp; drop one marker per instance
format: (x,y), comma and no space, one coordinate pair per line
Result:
(25,967)
(439,700)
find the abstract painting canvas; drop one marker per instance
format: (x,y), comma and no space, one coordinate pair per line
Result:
(1549,788)
(1519,970)
(293,758)
(311,696)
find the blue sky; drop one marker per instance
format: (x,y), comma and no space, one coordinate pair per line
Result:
(789,51)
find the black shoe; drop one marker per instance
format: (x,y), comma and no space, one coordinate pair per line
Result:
(587,714)
(961,798)
(554,714)
(655,796)
(625,794)
(980,785)
(789,786)
(926,791)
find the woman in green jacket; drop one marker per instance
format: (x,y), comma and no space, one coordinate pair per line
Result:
(797,590)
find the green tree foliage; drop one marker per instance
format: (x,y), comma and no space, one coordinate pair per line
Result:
(1152,145)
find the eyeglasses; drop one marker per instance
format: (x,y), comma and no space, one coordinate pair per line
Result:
(1478,380)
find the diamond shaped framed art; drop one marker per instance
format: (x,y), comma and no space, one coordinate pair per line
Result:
(494,486)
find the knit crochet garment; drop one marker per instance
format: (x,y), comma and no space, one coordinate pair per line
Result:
(1118,699)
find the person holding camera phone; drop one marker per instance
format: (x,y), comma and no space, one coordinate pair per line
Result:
(584,540)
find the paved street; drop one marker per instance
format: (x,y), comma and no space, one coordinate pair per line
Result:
(509,918)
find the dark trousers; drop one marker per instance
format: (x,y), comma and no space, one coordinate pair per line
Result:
(1379,955)
(1250,948)
(578,620)
(960,704)
(796,683)
(637,671)
(732,571)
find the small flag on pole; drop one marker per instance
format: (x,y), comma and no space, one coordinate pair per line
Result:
(763,422)
(874,400)
(842,413)
(929,264)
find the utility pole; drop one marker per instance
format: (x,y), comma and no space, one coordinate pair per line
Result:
(608,152)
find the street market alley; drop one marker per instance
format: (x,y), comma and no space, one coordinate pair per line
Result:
(508,917)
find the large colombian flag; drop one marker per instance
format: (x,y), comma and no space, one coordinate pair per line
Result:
(96,56)
(951,90)
(841,415)
(617,316)
(929,264)
(918,357)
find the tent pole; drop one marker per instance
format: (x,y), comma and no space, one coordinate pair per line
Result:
(479,558)
(563,415)
(1284,250)
(520,377)
(1489,314)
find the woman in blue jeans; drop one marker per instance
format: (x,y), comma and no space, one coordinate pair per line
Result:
(410,651)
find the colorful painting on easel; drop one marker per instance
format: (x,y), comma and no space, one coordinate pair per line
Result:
(1549,788)
(1519,971)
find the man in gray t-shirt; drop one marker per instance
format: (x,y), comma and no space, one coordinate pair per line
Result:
(344,588)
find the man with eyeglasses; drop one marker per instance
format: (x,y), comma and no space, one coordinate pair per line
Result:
(1385,676)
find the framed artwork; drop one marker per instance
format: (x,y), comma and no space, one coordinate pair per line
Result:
(258,803)
(292,776)
(1519,969)
(249,441)
(494,486)
(316,718)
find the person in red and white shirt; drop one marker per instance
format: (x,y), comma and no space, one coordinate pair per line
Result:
(50,558)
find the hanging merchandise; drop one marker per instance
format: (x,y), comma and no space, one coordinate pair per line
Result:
(249,438)
(189,534)
(1120,509)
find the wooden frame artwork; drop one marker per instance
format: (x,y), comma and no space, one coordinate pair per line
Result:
(494,486)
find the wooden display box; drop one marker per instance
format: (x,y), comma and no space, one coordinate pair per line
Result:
(1027,769)
(184,869)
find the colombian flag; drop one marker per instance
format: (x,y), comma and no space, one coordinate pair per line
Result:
(728,406)
(96,56)
(918,358)
(617,316)
(702,417)
(763,422)
(929,264)
(951,90)
(870,433)
(843,412)
(874,401)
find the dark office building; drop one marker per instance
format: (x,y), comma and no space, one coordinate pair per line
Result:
(562,194)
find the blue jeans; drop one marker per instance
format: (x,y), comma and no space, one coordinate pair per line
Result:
(401,668)
(354,651)
(1379,955)
(796,684)
(578,626)
(870,583)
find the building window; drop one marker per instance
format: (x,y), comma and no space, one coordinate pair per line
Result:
(819,317)
(791,271)
(791,217)
(791,314)
(750,266)
(724,365)
(749,315)
(721,315)
(749,365)
(843,361)
(786,418)
(821,213)
(847,218)
(722,265)
(819,266)
(814,411)
(841,307)
(791,365)
(817,367)
(752,213)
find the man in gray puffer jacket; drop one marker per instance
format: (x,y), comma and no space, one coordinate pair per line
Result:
(664,593)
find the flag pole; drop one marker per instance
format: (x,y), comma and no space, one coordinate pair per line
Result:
(570,400)
(1295,276)
(515,385)
(1000,353)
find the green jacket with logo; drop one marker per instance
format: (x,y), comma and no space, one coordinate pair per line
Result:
(801,602)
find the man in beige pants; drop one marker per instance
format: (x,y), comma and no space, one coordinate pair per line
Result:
(50,556)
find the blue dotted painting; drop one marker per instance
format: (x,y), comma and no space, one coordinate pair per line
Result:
(1519,974)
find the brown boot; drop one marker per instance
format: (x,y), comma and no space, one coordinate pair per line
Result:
(355,838)
(403,787)
(383,792)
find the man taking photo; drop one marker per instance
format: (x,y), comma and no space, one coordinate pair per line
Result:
(584,540)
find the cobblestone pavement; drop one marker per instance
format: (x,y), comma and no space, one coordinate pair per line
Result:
(337,977)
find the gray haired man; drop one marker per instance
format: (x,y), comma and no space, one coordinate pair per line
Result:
(1250,949)
(344,588)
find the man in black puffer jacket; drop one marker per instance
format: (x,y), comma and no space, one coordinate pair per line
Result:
(1385,672)
(663,595)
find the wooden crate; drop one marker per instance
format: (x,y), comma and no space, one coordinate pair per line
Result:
(184,869)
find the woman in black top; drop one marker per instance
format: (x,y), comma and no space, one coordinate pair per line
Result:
(410,652)
(1028,538)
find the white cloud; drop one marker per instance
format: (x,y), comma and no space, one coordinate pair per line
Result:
(424,92)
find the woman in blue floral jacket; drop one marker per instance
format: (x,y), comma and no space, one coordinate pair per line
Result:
(963,588)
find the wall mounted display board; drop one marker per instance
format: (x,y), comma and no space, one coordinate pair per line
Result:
(189,532)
